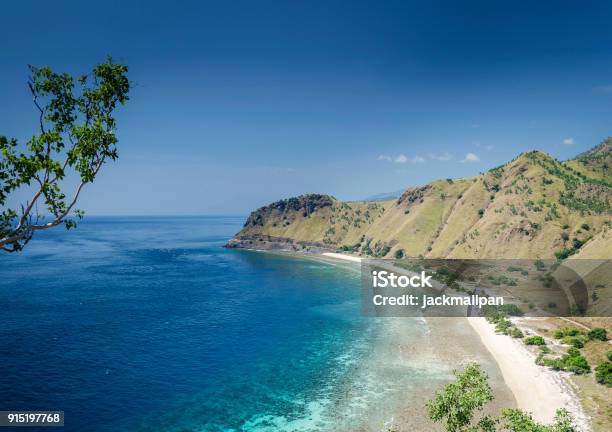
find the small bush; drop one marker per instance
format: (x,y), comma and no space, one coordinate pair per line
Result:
(399,254)
(567,331)
(511,309)
(585,227)
(535,340)
(481,212)
(558,334)
(603,374)
(598,333)
(575,341)
(502,325)
(609,355)
(576,364)
(515,332)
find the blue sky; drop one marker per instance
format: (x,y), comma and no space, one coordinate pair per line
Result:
(237,104)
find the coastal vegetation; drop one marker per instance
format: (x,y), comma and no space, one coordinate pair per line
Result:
(458,404)
(76,136)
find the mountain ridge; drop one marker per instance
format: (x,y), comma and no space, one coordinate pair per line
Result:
(533,206)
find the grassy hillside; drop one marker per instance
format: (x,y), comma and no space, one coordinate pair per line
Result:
(532,207)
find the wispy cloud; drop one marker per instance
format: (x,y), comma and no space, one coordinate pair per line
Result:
(401,159)
(569,141)
(470,157)
(444,156)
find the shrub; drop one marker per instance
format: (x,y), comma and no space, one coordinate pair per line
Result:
(502,325)
(511,309)
(399,254)
(603,373)
(585,227)
(563,253)
(481,212)
(575,341)
(573,352)
(570,331)
(598,333)
(558,334)
(515,332)
(535,340)
(576,364)
(609,355)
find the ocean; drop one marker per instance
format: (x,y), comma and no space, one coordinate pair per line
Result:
(149,324)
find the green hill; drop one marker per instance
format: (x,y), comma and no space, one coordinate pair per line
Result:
(532,207)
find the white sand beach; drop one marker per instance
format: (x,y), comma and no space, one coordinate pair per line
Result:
(536,389)
(342,256)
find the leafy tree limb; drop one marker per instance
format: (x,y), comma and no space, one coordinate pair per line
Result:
(76,133)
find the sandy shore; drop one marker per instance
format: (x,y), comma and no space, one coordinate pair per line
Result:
(340,256)
(535,388)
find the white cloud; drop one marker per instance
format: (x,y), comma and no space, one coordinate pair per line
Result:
(470,157)
(569,141)
(445,156)
(489,147)
(400,159)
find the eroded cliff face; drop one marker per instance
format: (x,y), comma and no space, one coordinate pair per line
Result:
(532,207)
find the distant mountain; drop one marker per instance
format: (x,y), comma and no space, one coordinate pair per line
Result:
(385,196)
(531,207)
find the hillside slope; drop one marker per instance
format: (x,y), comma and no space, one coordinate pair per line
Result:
(532,207)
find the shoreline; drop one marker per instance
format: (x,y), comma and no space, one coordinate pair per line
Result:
(536,389)
(343,257)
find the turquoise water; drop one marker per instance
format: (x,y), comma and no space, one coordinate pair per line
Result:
(148,324)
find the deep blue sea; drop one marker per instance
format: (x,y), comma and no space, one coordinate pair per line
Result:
(149,324)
